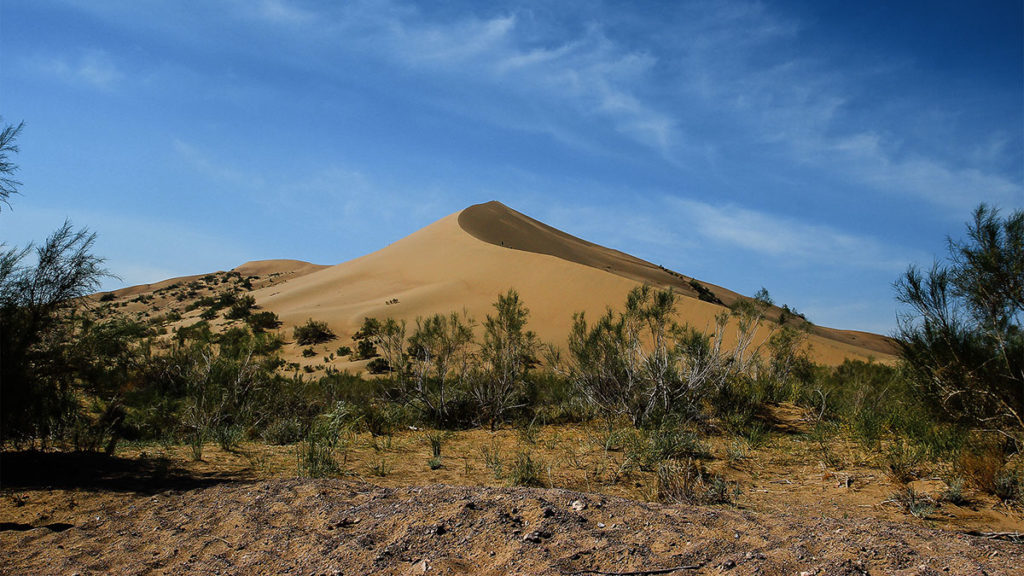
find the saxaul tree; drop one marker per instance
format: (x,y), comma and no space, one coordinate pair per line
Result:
(960,333)
(440,360)
(8,146)
(508,353)
(37,385)
(642,365)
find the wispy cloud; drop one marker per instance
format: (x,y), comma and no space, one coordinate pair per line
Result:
(784,239)
(220,171)
(957,188)
(281,12)
(744,63)
(589,75)
(93,68)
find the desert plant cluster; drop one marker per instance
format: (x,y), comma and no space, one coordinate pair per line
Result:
(88,373)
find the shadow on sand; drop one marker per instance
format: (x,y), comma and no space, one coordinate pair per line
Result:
(33,469)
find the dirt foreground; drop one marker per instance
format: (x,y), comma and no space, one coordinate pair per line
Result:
(300,526)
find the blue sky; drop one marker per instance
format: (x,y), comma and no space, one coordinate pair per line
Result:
(814,148)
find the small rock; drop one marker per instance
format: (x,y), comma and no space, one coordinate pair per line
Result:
(420,567)
(728,565)
(600,524)
(537,536)
(578,505)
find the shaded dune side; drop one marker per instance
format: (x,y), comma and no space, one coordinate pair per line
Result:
(497,224)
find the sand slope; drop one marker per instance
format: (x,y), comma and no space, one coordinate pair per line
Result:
(464,261)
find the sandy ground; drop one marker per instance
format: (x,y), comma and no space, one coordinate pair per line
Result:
(297,526)
(154,511)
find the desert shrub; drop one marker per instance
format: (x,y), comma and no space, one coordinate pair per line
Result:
(507,355)
(378,366)
(704,294)
(439,363)
(308,352)
(283,431)
(364,350)
(343,351)
(493,459)
(913,502)
(313,332)
(689,482)
(261,321)
(642,365)
(315,458)
(107,297)
(903,462)
(954,491)
(1009,486)
(228,436)
(869,426)
(436,440)
(647,449)
(241,308)
(524,471)
(961,336)
(382,418)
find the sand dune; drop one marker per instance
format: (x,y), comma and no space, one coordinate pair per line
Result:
(463,261)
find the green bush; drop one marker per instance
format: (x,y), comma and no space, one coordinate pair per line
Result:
(378,366)
(283,431)
(315,458)
(241,308)
(313,332)
(365,349)
(524,471)
(960,334)
(262,321)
